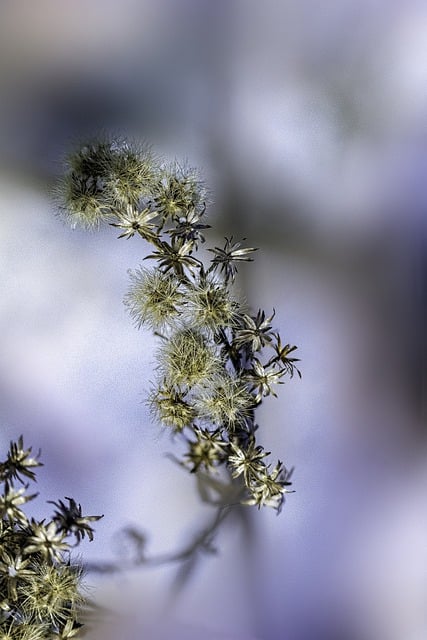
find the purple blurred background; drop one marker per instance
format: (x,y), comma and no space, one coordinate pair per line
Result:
(309,123)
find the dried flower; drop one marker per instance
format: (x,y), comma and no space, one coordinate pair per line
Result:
(19,463)
(208,450)
(187,359)
(229,255)
(209,305)
(46,541)
(178,191)
(14,569)
(169,406)
(10,502)
(176,256)
(282,356)
(133,221)
(70,521)
(188,227)
(226,402)
(154,298)
(41,589)
(263,379)
(212,367)
(255,331)
(248,461)
(269,489)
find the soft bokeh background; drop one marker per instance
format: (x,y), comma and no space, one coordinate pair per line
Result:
(309,122)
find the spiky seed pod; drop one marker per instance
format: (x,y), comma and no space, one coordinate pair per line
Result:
(104,177)
(154,298)
(226,402)
(70,630)
(132,175)
(178,191)
(93,159)
(53,593)
(210,305)
(81,194)
(187,359)
(255,331)
(168,405)
(83,201)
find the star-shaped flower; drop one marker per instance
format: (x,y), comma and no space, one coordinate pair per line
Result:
(134,221)
(46,540)
(229,255)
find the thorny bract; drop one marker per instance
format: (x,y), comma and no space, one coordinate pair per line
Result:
(216,361)
(41,591)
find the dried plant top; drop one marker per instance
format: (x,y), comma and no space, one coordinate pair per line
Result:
(40,584)
(216,360)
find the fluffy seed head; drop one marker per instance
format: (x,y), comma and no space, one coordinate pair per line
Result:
(186,359)
(53,593)
(132,175)
(226,402)
(82,194)
(102,177)
(168,405)
(209,305)
(178,191)
(83,201)
(154,298)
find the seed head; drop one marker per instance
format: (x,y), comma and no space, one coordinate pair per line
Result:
(83,201)
(41,593)
(178,191)
(169,406)
(154,298)
(52,593)
(187,359)
(210,305)
(102,178)
(82,193)
(132,175)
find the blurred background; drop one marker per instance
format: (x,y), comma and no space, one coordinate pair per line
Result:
(308,121)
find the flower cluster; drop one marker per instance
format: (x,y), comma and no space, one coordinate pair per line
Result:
(40,585)
(217,361)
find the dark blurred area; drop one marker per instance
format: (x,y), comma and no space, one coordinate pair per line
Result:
(309,123)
